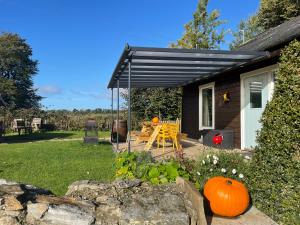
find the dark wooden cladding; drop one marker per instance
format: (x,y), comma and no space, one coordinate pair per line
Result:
(227,115)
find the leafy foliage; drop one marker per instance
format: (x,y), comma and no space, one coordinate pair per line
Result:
(275,169)
(247,30)
(274,12)
(142,166)
(147,103)
(69,120)
(271,13)
(202,32)
(231,165)
(16,72)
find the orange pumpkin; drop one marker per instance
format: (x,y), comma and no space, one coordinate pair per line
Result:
(155,120)
(227,197)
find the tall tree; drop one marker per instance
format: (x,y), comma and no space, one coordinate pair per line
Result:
(247,30)
(17,69)
(202,31)
(274,12)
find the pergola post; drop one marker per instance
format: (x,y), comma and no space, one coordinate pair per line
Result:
(112,114)
(129,105)
(118,114)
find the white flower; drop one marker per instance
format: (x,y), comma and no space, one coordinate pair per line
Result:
(210,170)
(215,162)
(203,162)
(207,156)
(234,171)
(247,157)
(87,172)
(241,176)
(223,170)
(215,157)
(198,173)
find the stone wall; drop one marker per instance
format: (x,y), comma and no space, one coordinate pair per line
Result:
(90,202)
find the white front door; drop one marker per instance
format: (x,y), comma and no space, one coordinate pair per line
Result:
(256,91)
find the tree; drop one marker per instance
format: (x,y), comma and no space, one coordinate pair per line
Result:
(202,32)
(275,168)
(16,72)
(147,103)
(274,12)
(247,30)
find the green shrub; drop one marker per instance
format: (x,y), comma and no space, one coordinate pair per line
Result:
(142,166)
(275,169)
(230,165)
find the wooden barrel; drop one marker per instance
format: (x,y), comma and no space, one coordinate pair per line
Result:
(122,131)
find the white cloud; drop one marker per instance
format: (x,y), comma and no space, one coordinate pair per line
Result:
(49,90)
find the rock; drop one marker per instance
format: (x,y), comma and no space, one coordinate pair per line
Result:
(1,201)
(89,202)
(14,189)
(12,213)
(8,220)
(11,203)
(36,190)
(35,212)
(108,214)
(67,215)
(120,184)
(154,208)
(3,181)
(87,205)
(86,184)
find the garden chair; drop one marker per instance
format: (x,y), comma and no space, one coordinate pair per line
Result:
(145,133)
(169,132)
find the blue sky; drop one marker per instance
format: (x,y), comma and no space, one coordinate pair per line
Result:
(78,43)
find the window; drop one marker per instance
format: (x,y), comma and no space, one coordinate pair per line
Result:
(256,95)
(206,106)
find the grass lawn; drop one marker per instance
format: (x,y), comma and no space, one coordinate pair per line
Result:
(55,164)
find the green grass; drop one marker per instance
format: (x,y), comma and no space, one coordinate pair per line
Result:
(54,165)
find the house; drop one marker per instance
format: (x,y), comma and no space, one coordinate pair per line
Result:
(249,88)
(222,89)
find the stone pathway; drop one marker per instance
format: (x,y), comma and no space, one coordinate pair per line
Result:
(252,217)
(191,148)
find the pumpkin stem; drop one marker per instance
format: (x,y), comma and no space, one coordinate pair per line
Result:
(228,182)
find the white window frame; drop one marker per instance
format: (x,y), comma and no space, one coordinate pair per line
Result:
(201,87)
(268,69)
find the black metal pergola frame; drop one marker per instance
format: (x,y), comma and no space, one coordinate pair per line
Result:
(144,67)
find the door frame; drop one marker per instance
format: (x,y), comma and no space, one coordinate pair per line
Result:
(201,87)
(270,86)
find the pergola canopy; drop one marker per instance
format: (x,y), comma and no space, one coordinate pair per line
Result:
(171,67)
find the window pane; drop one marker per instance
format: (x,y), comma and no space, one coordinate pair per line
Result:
(207,107)
(256,94)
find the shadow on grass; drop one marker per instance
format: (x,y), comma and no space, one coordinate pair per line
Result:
(100,142)
(23,138)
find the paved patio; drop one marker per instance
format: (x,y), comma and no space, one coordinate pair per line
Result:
(192,149)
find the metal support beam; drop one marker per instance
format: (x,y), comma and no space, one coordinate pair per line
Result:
(112,114)
(118,114)
(129,105)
